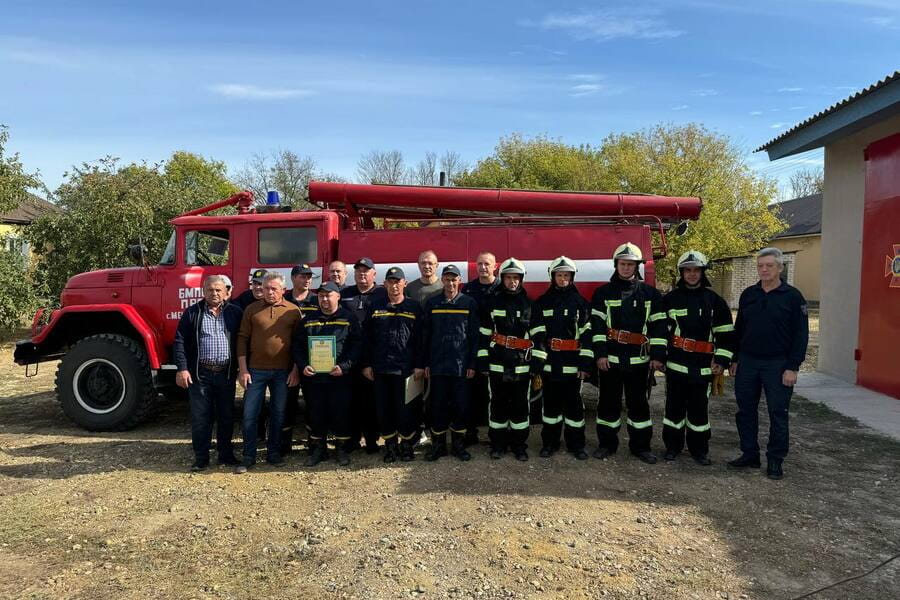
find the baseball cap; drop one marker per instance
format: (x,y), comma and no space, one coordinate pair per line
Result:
(364,262)
(302,269)
(329,286)
(257,275)
(395,273)
(450,270)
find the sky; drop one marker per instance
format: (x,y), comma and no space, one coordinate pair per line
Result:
(227,80)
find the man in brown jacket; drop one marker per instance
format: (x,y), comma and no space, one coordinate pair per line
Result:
(264,361)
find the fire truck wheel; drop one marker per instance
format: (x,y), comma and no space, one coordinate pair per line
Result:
(104,383)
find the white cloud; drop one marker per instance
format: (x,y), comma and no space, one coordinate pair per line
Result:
(609,24)
(886,22)
(584,89)
(253,92)
(777,125)
(797,107)
(705,93)
(680,107)
(790,89)
(755,113)
(585,77)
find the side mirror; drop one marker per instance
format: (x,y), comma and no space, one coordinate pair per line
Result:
(138,254)
(681,228)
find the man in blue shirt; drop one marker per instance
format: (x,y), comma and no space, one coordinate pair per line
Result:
(772,331)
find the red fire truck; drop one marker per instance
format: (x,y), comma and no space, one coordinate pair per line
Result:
(115,327)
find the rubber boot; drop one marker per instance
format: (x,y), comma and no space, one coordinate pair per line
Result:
(438,446)
(406,451)
(390,450)
(458,448)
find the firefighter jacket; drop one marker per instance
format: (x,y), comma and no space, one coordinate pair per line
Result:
(392,335)
(307,306)
(508,314)
(343,325)
(631,307)
(480,292)
(358,302)
(698,314)
(561,314)
(449,335)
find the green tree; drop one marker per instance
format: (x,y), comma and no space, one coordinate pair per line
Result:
(106,207)
(14,180)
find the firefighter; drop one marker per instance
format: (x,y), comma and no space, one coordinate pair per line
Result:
(503,357)
(391,335)
(329,394)
(629,337)
(561,333)
(701,342)
(357,299)
(306,300)
(449,348)
(480,289)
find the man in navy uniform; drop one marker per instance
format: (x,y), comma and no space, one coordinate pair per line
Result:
(772,331)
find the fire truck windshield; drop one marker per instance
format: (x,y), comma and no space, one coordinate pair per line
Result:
(168,257)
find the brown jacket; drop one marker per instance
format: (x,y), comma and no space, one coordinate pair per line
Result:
(265,334)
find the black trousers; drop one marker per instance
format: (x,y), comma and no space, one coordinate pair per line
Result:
(364,418)
(753,376)
(687,413)
(395,416)
(211,398)
(449,400)
(633,381)
(480,397)
(329,402)
(563,406)
(508,408)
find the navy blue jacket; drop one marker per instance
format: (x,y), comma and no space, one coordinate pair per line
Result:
(772,325)
(450,335)
(186,350)
(342,324)
(392,334)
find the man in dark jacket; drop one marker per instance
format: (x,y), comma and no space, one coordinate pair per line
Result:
(504,357)
(629,335)
(328,393)
(701,343)
(252,293)
(204,353)
(450,345)
(561,330)
(392,340)
(772,331)
(480,289)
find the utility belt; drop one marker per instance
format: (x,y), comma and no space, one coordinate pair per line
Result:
(626,337)
(512,342)
(560,345)
(213,367)
(691,345)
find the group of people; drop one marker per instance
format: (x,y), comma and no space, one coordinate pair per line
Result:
(439,355)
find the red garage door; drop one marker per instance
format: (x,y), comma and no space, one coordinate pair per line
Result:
(879,315)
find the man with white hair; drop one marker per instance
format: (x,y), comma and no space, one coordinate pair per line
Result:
(204,353)
(772,331)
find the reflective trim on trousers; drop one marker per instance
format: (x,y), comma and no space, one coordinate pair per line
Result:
(678,425)
(575,424)
(697,428)
(639,424)
(613,424)
(519,426)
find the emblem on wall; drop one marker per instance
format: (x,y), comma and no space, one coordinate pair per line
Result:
(892,267)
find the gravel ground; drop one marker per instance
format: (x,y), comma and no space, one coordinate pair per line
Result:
(117,515)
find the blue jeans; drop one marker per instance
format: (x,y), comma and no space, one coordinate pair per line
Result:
(753,376)
(276,382)
(211,398)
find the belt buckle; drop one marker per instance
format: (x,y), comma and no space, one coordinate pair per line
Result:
(689,345)
(510,340)
(622,336)
(555,344)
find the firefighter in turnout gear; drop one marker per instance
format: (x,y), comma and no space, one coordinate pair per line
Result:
(629,337)
(449,349)
(504,354)
(701,343)
(329,394)
(392,332)
(561,331)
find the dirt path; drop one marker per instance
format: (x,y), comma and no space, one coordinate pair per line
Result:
(90,516)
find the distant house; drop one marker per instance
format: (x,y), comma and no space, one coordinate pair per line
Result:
(801,243)
(12,222)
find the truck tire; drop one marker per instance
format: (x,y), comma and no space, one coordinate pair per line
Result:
(103,383)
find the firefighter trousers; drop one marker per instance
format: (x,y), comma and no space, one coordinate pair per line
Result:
(508,408)
(449,402)
(687,413)
(329,401)
(395,416)
(633,382)
(364,419)
(563,412)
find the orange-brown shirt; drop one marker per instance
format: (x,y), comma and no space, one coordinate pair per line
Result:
(265,334)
